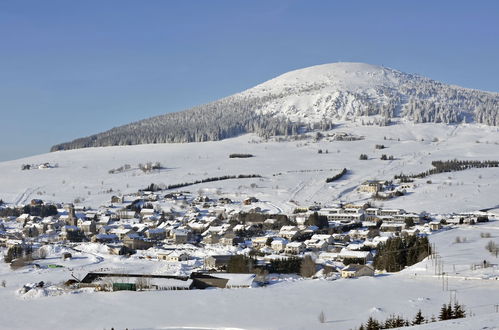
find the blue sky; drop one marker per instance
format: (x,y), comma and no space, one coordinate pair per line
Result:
(73,68)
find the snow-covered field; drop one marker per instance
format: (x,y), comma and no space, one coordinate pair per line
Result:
(292,304)
(293,172)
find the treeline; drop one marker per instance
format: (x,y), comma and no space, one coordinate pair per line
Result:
(399,252)
(40,210)
(241,156)
(337,176)
(154,187)
(9,212)
(34,210)
(447,312)
(246,265)
(449,166)
(225,118)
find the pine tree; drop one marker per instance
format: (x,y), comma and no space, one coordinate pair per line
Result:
(450,312)
(458,311)
(418,319)
(443,313)
(372,324)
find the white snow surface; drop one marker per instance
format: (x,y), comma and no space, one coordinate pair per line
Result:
(289,304)
(334,91)
(293,172)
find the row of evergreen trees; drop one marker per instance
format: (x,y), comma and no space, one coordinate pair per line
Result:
(242,264)
(449,166)
(43,210)
(218,120)
(337,176)
(447,312)
(399,252)
(154,187)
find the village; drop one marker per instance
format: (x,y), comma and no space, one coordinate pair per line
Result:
(227,243)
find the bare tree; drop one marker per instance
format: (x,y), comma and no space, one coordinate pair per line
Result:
(142,283)
(307,267)
(322,317)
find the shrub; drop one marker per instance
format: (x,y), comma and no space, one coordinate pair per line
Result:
(322,317)
(241,155)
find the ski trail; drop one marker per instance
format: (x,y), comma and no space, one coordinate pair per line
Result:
(25,195)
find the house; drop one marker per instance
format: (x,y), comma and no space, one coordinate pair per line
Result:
(259,242)
(125,214)
(156,233)
(343,215)
(328,256)
(391,212)
(435,225)
(180,236)
(279,244)
(172,256)
(135,242)
(146,213)
(365,256)
(211,239)
(121,232)
(316,245)
(231,241)
(89,227)
(118,249)
(237,280)
(295,248)
(355,270)
(289,232)
(371,186)
(323,237)
(392,227)
(105,238)
(117,199)
(217,261)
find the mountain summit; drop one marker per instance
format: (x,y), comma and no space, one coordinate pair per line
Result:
(313,97)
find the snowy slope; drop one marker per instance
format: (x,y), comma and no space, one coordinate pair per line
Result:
(348,90)
(327,91)
(293,172)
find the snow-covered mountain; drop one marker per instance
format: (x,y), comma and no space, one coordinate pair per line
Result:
(314,97)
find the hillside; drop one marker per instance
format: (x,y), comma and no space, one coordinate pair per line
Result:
(314,97)
(293,172)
